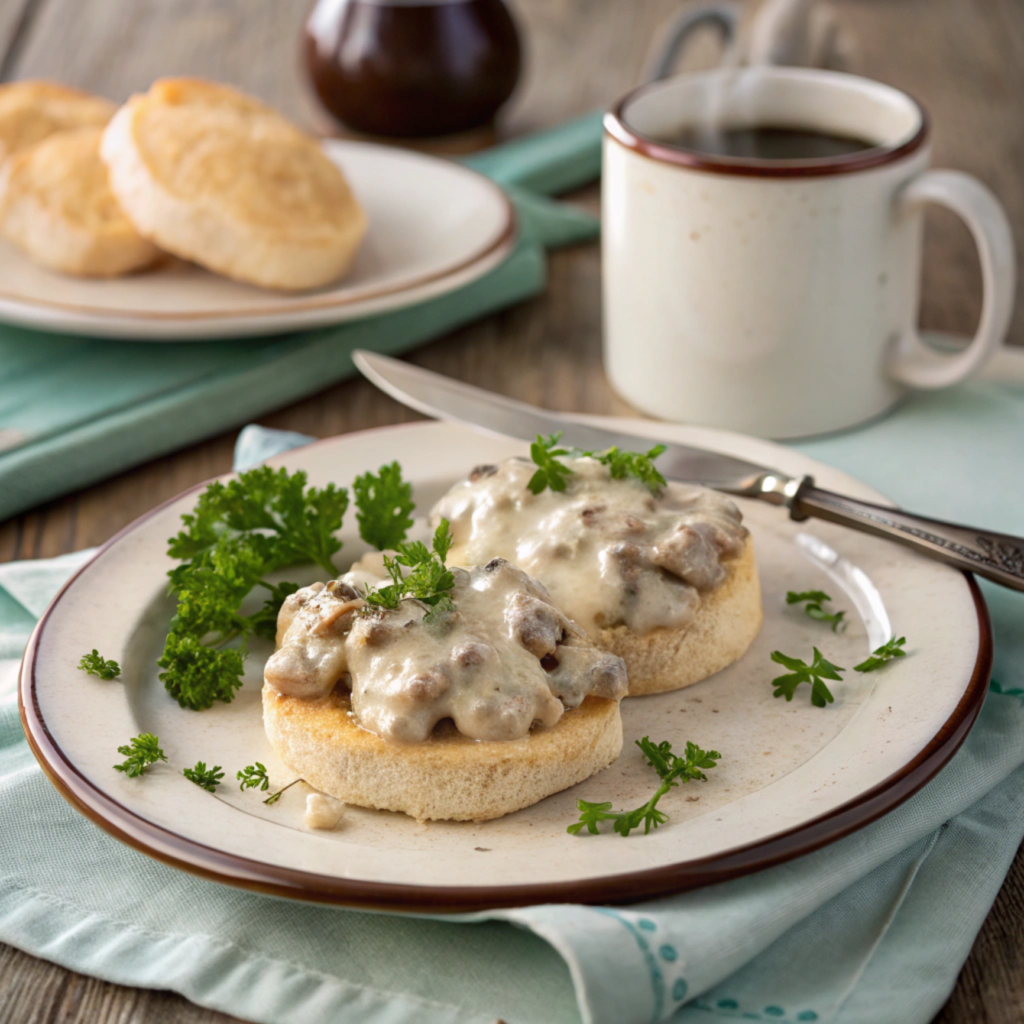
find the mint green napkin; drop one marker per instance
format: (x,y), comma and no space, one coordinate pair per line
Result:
(75,410)
(873,928)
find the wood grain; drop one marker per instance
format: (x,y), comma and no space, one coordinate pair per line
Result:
(964,60)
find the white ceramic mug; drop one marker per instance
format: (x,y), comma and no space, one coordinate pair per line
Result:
(777,297)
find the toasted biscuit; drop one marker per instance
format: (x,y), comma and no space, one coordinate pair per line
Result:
(56,204)
(31,111)
(216,177)
(724,627)
(447,777)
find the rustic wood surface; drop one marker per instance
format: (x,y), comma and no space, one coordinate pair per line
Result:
(963,59)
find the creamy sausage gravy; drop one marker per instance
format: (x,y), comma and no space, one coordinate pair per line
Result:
(609,552)
(504,660)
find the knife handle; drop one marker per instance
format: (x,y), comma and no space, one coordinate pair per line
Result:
(996,556)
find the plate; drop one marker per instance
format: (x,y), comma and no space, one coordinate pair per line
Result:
(434,226)
(792,777)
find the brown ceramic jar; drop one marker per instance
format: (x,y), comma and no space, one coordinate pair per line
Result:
(412,68)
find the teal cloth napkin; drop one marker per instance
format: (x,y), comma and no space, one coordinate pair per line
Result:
(75,410)
(871,929)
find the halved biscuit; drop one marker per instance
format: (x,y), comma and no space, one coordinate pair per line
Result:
(56,204)
(216,177)
(449,776)
(31,111)
(725,625)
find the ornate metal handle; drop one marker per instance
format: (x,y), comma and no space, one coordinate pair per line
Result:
(996,556)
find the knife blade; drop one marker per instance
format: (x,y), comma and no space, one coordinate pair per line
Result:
(445,399)
(996,556)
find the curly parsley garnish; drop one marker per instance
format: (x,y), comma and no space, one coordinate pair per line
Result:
(551,473)
(97,666)
(800,672)
(815,599)
(428,581)
(140,753)
(383,506)
(203,777)
(671,768)
(883,655)
(263,521)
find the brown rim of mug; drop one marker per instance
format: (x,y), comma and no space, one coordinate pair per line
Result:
(207,862)
(616,128)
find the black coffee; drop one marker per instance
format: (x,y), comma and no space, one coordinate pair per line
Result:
(769,143)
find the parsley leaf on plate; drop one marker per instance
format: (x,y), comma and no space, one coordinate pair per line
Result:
(671,768)
(97,666)
(253,776)
(800,672)
(203,777)
(815,600)
(142,751)
(383,506)
(892,648)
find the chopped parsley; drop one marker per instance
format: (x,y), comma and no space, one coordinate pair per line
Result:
(813,601)
(253,776)
(892,648)
(428,581)
(671,768)
(205,778)
(800,672)
(551,473)
(97,666)
(141,752)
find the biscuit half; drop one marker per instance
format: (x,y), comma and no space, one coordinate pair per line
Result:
(725,625)
(56,205)
(216,177)
(447,777)
(31,111)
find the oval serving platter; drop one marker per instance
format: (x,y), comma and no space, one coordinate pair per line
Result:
(434,226)
(792,777)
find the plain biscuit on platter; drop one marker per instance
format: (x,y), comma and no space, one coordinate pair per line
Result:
(32,111)
(56,205)
(218,178)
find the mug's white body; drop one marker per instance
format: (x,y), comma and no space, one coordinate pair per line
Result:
(765,303)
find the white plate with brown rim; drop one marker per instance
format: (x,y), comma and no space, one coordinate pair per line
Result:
(434,226)
(792,777)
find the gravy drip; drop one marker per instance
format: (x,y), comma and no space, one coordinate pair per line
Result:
(505,660)
(609,552)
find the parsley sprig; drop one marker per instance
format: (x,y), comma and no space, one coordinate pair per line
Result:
(892,648)
(428,580)
(551,473)
(813,601)
(254,776)
(671,768)
(97,666)
(383,506)
(240,531)
(800,672)
(205,778)
(139,753)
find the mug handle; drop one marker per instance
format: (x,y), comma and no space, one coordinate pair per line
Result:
(910,360)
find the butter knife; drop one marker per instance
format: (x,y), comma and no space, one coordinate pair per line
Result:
(996,556)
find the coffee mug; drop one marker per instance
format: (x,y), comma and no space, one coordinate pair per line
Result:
(780,297)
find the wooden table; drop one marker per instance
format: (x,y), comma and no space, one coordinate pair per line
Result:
(964,60)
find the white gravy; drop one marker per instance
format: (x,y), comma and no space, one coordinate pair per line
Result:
(504,660)
(609,552)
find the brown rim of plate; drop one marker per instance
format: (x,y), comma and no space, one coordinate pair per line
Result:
(269,879)
(502,239)
(615,127)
